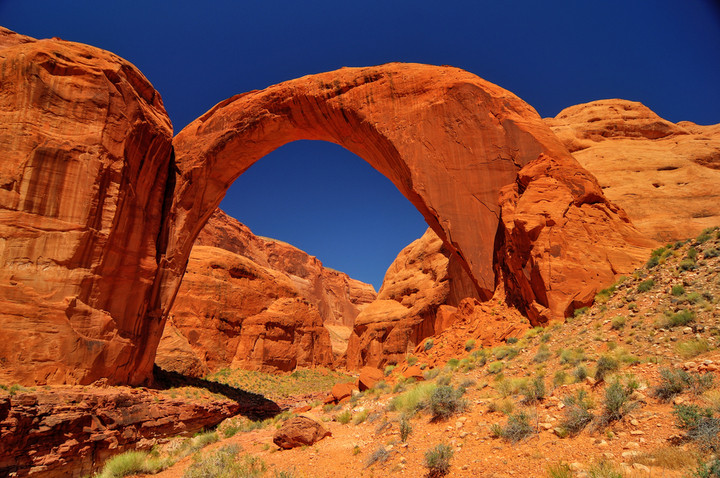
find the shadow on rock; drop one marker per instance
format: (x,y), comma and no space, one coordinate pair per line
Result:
(252,405)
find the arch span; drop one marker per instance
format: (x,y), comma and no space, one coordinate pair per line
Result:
(447,139)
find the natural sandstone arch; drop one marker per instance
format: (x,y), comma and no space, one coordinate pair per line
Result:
(98,216)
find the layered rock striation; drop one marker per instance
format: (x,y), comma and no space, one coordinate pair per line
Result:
(666,176)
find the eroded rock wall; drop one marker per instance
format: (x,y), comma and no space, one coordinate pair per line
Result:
(666,176)
(86,150)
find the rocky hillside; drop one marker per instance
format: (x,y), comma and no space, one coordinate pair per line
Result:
(256,303)
(664,175)
(626,388)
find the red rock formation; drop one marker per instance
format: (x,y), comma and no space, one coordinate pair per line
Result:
(405,311)
(299,431)
(86,148)
(236,285)
(664,175)
(98,221)
(71,431)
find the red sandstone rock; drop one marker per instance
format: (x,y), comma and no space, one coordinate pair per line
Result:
(71,431)
(86,150)
(369,376)
(664,175)
(299,431)
(340,392)
(232,277)
(414,372)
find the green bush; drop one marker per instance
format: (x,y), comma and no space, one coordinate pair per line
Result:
(645,285)
(580,373)
(692,348)
(130,463)
(617,402)
(677,290)
(687,265)
(517,428)
(437,460)
(604,469)
(534,391)
(580,311)
(225,463)
(692,253)
(618,322)
(445,402)
(344,417)
(469,345)
(559,470)
(411,360)
(542,354)
(672,383)
(405,428)
(709,253)
(707,470)
(699,424)
(576,414)
(413,399)
(428,344)
(572,356)
(604,365)
(380,455)
(680,318)
(496,367)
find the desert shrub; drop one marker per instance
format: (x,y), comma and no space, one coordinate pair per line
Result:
(687,265)
(534,391)
(511,340)
(580,311)
(680,318)
(618,322)
(652,262)
(542,354)
(604,295)
(452,364)
(692,348)
(505,352)
(517,428)
(445,402)
(389,369)
(711,253)
(699,424)
(604,365)
(405,428)
(580,373)
(677,290)
(692,253)
(413,399)
(225,463)
(505,406)
(559,470)
(469,345)
(576,414)
(344,417)
(672,382)
(360,417)
(645,285)
(559,378)
(707,469)
(411,360)
(131,463)
(572,356)
(380,455)
(604,469)
(431,374)
(496,367)
(429,344)
(617,402)
(437,460)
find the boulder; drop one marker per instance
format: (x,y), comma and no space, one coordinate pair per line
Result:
(299,431)
(340,392)
(369,376)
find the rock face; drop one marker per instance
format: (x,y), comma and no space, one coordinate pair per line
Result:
(666,176)
(86,151)
(99,218)
(70,431)
(405,311)
(299,431)
(257,304)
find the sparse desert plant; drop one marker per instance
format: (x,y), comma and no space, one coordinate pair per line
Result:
(617,402)
(617,323)
(496,367)
(445,402)
(360,417)
(710,469)
(645,285)
(687,265)
(692,348)
(469,345)
(580,311)
(411,360)
(560,378)
(517,428)
(380,455)
(405,428)
(677,290)
(428,344)
(559,470)
(225,462)
(534,391)
(413,399)
(542,354)
(389,369)
(604,365)
(580,373)
(344,417)
(668,457)
(604,469)
(680,318)
(437,460)
(604,295)
(576,414)
(452,364)
(700,425)
(672,383)
(131,463)
(505,406)
(710,253)
(692,253)
(572,356)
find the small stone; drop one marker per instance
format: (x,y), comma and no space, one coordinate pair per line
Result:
(641,467)
(637,432)
(634,422)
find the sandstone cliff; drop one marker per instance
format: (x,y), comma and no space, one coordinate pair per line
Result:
(257,303)
(666,176)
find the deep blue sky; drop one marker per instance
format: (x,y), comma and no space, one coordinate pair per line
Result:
(319,197)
